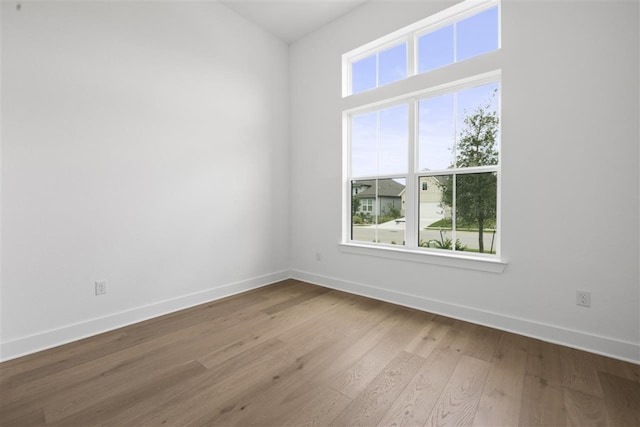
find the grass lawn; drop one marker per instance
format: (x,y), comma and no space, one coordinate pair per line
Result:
(447,224)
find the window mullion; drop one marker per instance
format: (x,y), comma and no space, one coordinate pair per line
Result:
(377,69)
(453,213)
(455,42)
(411,185)
(455,158)
(376,200)
(376,208)
(412,55)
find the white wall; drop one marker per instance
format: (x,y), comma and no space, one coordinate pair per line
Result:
(145,143)
(570,175)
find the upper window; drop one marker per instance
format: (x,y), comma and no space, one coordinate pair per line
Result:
(464,31)
(423,167)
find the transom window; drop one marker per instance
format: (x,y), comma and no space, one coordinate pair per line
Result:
(423,168)
(464,31)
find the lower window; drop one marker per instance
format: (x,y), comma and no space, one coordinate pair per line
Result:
(424,170)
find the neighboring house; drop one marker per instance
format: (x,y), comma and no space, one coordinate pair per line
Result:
(389,195)
(430,208)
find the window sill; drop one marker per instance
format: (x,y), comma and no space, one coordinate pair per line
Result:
(491,265)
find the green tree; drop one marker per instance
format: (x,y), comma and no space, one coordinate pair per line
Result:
(355,204)
(476,192)
(392,211)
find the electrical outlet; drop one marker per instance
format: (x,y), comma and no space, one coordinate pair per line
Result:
(318,256)
(583,298)
(101,287)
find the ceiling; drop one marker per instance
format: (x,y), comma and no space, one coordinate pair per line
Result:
(290,20)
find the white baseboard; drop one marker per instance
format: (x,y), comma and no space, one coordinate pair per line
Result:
(623,350)
(55,337)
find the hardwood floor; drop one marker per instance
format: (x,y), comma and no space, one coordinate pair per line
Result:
(294,354)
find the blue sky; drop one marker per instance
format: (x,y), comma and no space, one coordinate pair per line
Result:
(474,36)
(441,119)
(392,66)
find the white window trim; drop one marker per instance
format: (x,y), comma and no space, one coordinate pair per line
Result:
(450,259)
(411,252)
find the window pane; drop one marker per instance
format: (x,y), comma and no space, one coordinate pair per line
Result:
(362,197)
(390,211)
(435,225)
(477,34)
(364,141)
(477,123)
(435,49)
(394,135)
(377,213)
(436,133)
(392,64)
(476,202)
(363,74)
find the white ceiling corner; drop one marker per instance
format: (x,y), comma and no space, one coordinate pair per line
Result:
(290,20)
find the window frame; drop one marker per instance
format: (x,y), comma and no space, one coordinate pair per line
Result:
(411,251)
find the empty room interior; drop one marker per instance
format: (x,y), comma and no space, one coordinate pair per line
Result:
(349,213)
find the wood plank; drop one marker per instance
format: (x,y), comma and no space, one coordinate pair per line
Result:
(209,399)
(274,404)
(20,370)
(429,338)
(295,301)
(348,355)
(542,403)
(320,410)
(502,393)
(276,325)
(104,407)
(619,368)
(458,402)
(325,355)
(622,399)
(482,342)
(32,416)
(417,400)
(143,411)
(543,361)
(579,372)
(374,401)
(358,377)
(37,391)
(94,370)
(584,409)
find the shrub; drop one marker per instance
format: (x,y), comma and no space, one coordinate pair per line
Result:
(443,243)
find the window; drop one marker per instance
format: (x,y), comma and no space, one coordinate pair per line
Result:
(458,149)
(423,166)
(380,68)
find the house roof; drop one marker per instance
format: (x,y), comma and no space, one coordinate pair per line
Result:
(386,188)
